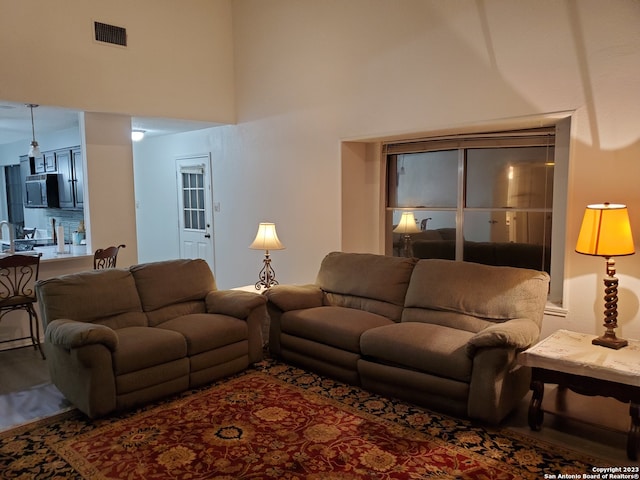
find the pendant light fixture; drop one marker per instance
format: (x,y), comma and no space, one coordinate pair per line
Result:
(34,151)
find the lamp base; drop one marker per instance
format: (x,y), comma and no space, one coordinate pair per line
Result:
(267,276)
(610,342)
(608,338)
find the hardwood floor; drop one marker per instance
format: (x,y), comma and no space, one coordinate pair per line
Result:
(26,393)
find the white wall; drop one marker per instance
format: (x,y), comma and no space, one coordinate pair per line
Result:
(178,62)
(237,188)
(360,70)
(156,191)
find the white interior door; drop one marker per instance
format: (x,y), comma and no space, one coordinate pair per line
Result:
(195,196)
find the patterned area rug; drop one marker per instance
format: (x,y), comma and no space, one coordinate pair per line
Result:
(277,422)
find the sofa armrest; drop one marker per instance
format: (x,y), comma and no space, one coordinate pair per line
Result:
(294,297)
(518,333)
(73,334)
(234,303)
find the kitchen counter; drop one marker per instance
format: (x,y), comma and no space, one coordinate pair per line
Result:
(50,253)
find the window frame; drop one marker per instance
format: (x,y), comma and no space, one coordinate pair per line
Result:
(557,136)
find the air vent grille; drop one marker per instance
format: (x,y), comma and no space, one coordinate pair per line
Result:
(110,34)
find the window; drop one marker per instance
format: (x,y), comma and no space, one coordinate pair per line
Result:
(193,208)
(484,198)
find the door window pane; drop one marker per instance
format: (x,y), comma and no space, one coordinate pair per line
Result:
(193,200)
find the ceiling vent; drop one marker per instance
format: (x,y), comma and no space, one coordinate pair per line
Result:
(110,34)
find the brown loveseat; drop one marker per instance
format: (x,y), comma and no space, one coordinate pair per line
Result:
(118,338)
(438,333)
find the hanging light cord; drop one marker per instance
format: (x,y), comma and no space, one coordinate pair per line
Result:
(33,128)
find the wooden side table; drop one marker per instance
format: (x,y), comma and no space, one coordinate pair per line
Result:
(569,360)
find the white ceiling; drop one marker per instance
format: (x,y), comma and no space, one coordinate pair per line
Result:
(15,122)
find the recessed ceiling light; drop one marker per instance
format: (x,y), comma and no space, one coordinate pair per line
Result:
(137,135)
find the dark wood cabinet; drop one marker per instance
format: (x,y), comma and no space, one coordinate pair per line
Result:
(49,162)
(78,176)
(67,163)
(37,164)
(44,163)
(70,181)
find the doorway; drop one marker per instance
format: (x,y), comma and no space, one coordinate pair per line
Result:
(195,219)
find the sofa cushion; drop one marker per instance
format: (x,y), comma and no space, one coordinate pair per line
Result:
(168,312)
(143,347)
(173,281)
(109,297)
(206,331)
(423,347)
(375,283)
(457,320)
(366,275)
(336,326)
(484,291)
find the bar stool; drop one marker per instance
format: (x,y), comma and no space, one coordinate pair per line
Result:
(18,274)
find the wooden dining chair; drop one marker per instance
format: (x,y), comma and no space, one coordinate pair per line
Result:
(106,257)
(18,274)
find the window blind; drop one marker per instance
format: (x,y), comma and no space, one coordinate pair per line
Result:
(519,138)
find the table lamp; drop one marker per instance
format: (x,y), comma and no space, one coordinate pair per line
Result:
(266,239)
(606,232)
(407,227)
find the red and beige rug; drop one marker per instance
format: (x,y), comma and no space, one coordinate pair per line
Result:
(276,422)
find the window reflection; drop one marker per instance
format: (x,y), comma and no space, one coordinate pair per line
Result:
(436,238)
(509,177)
(514,238)
(426,179)
(503,211)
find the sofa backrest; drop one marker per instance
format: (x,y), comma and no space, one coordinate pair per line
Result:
(375,283)
(172,288)
(107,297)
(471,296)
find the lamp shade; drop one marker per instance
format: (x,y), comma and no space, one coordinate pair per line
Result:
(407,224)
(34,151)
(267,238)
(605,231)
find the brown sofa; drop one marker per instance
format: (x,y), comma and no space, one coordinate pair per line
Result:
(118,338)
(438,333)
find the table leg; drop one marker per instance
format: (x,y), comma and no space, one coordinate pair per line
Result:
(535,407)
(634,431)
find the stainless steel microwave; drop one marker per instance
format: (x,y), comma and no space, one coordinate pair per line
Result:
(42,191)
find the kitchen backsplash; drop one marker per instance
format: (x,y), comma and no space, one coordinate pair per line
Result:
(69,219)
